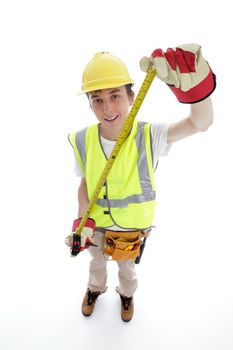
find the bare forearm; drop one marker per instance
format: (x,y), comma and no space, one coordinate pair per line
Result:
(82,198)
(200,118)
(201,114)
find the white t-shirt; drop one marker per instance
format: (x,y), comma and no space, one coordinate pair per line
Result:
(160,147)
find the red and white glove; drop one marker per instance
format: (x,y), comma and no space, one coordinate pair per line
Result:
(184,70)
(87,233)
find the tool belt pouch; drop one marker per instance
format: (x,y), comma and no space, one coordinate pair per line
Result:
(122,245)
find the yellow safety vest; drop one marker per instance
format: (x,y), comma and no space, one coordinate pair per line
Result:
(128,197)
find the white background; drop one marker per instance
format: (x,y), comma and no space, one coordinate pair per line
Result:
(185,294)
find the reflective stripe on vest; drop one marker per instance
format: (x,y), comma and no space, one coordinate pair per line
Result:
(129,188)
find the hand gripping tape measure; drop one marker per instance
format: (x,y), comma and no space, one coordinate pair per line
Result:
(122,136)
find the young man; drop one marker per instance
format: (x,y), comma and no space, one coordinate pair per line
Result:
(125,205)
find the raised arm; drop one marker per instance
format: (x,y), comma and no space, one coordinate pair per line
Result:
(191,79)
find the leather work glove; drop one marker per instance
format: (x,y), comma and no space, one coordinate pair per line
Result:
(184,70)
(81,241)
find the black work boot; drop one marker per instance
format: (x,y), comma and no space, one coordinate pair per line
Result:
(127,308)
(89,301)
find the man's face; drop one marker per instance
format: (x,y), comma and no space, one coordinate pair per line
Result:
(111,107)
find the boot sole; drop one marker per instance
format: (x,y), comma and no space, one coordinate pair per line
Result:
(126,320)
(86,315)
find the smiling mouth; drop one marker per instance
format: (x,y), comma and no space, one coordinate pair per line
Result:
(111,119)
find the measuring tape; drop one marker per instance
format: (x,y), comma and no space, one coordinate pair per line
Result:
(122,136)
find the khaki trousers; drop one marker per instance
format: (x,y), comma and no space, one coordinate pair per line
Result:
(98,270)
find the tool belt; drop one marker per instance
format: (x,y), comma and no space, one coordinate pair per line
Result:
(122,245)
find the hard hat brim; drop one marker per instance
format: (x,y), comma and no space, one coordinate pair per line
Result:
(97,87)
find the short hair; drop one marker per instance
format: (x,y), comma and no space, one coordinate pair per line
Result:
(129,89)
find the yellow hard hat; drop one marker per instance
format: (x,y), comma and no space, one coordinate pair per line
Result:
(104,71)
